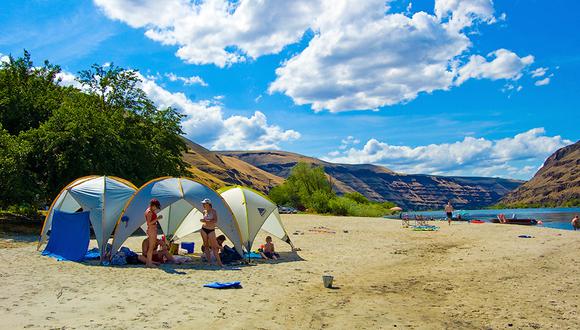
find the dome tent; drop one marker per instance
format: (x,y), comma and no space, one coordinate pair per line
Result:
(254,211)
(178,198)
(102,196)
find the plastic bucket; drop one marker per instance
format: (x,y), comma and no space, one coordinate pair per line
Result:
(327,280)
(188,246)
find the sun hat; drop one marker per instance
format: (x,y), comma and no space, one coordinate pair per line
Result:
(206,201)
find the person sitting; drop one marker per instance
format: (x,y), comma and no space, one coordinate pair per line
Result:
(268,251)
(160,252)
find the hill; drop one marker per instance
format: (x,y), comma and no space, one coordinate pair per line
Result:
(556,183)
(381,184)
(216,170)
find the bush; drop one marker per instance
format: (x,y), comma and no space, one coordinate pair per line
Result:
(357,197)
(318,201)
(340,205)
(24,209)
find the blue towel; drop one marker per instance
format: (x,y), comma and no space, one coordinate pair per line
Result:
(224,285)
(525,236)
(69,236)
(252,255)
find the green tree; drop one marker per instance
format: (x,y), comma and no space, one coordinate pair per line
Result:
(16,184)
(28,94)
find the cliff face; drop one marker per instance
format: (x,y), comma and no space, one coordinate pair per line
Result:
(557,182)
(381,184)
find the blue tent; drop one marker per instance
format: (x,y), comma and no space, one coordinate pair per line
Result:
(69,236)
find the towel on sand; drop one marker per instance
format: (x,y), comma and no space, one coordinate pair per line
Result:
(223,285)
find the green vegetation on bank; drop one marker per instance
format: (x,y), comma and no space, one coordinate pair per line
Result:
(52,134)
(307,188)
(575,202)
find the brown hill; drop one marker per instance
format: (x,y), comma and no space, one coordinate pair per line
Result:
(381,184)
(556,183)
(217,170)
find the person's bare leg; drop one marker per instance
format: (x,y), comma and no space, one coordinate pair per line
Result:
(152,244)
(207,246)
(215,248)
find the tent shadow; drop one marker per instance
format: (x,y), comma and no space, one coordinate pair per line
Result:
(291,256)
(197,264)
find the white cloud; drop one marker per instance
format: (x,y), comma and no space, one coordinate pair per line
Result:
(349,141)
(4,58)
(361,56)
(543,82)
(252,133)
(217,32)
(539,72)
(504,65)
(463,13)
(204,122)
(471,156)
(365,59)
(193,80)
(68,79)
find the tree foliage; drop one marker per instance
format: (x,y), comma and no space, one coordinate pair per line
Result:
(307,188)
(51,135)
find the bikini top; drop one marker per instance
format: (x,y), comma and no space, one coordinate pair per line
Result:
(208,216)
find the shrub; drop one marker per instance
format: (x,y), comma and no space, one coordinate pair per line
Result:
(357,197)
(340,205)
(318,201)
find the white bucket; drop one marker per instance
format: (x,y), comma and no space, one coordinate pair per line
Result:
(327,280)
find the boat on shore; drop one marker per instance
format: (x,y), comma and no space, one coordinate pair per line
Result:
(515,221)
(524,222)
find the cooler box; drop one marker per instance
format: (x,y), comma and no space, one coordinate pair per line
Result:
(188,246)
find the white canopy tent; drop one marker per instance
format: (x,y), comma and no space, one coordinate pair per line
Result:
(103,196)
(252,211)
(180,200)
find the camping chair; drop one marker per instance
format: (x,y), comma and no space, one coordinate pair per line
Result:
(405,223)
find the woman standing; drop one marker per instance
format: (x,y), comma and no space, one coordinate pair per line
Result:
(151,218)
(209,223)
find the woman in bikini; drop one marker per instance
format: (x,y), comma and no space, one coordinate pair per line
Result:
(209,223)
(151,218)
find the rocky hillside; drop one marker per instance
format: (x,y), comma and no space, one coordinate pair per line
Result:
(217,170)
(556,183)
(381,184)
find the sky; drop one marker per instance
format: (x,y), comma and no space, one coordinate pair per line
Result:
(448,87)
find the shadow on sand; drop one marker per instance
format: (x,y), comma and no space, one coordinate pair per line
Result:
(197,264)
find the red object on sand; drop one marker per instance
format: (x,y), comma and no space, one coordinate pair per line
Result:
(477,221)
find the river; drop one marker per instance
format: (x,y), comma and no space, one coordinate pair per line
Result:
(551,217)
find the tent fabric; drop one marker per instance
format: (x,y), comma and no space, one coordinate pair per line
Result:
(178,198)
(273,225)
(69,238)
(254,211)
(102,196)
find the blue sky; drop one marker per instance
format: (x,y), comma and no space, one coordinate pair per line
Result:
(442,87)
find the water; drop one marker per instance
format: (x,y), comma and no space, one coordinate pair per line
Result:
(553,218)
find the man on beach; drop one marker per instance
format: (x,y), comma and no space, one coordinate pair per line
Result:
(575,222)
(449,212)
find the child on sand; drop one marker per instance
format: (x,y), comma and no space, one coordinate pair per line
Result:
(268,250)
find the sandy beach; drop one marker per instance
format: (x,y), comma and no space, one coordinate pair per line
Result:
(465,276)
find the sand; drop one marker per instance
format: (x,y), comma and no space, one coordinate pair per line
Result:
(465,276)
